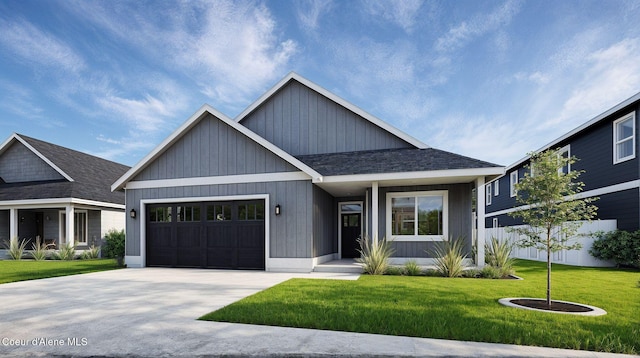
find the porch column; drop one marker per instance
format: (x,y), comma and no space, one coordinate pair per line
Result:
(70,224)
(374,211)
(13,223)
(480,239)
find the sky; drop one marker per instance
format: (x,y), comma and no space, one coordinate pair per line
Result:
(491,80)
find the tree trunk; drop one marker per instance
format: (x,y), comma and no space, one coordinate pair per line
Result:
(549,267)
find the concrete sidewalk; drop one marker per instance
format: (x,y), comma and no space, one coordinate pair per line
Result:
(152,312)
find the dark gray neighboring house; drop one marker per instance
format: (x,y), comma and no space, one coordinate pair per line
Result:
(59,194)
(292,182)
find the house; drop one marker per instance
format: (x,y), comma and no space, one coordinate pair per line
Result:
(61,195)
(606,148)
(293,182)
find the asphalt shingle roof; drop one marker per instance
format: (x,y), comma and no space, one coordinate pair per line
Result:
(92,177)
(390,161)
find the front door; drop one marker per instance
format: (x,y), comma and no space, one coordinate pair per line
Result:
(350,232)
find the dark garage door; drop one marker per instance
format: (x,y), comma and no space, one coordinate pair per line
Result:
(227,235)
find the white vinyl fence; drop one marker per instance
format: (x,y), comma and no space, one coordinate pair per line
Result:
(569,257)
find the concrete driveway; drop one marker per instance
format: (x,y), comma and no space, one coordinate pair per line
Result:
(152,312)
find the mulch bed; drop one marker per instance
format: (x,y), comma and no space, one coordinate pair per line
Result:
(555,305)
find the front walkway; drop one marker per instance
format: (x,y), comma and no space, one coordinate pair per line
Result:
(153,311)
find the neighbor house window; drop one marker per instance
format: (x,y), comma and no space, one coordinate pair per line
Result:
(624,138)
(489,193)
(80,226)
(565,153)
(417,216)
(496,187)
(513,180)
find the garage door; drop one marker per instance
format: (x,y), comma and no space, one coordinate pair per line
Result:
(229,235)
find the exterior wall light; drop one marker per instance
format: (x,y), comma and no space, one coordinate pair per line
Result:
(133,213)
(277,209)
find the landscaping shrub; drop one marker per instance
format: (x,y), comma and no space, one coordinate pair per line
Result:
(114,244)
(623,247)
(374,256)
(449,258)
(498,255)
(40,249)
(491,272)
(92,253)
(16,248)
(431,272)
(411,268)
(394,271)
(66,252)
(471,273)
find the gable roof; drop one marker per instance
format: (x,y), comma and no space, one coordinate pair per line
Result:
(391,161)
(85,176)
(190,123)
(593,121)
(292,76)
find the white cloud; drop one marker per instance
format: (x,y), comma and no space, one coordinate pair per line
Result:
(33,45)
(466,31)
(401,13)
(309,12)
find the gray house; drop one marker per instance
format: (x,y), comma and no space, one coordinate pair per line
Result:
(59,194)
(293,182)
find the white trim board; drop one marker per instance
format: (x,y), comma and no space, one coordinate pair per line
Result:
(190,123)
(17,137)
(585,194)
(216,180)
(333,97)
(450,173)
(56,203)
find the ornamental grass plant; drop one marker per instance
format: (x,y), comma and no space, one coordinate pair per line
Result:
(15,248)
(449,257)
(374,255)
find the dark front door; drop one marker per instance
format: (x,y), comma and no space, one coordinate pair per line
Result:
(350,232)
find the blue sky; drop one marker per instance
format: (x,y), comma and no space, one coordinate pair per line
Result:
(488,79)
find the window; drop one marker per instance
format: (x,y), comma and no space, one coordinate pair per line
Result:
(188,213)
(565,153)
(160,215)
(489,193)
(624,138)
(513,180)
(417,216)
(218,212)
(495,223)
(251,212)
(496,187)
(80,226)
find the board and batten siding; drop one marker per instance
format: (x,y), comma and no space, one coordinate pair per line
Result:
(213,148)
(460,217)
(18,164)
(302,121)
(290,232)
(325,240)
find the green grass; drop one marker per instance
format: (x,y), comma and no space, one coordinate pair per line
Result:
(12,271)
(458,308)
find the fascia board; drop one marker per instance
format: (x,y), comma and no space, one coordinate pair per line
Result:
(428,174)
(188,124)
(350,106)
(17,137)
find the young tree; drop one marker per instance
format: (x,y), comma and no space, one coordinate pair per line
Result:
(552,211)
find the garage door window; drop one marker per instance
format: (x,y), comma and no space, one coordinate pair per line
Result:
(160,215)
(188,213)
(251,212)
(218,212)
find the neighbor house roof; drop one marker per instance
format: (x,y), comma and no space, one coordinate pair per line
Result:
(85,176)
(390,161)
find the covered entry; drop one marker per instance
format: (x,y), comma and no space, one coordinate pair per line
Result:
(227,235)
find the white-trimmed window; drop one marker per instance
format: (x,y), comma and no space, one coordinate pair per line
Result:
(495,223)
(564,152)
(496,187)
(624,138)
(80,226)
(488,189)
(417,216)
(513,180)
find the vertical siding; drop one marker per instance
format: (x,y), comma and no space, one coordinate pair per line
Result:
(94,224)
(301,121)
(4,225)
(290,232)
(325,225)
(19,164)
(213,148)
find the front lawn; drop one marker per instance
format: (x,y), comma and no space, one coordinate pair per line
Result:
(459,309)
(11,271)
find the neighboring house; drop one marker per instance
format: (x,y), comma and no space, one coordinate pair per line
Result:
(58,194)
(293,182)
(606,148)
